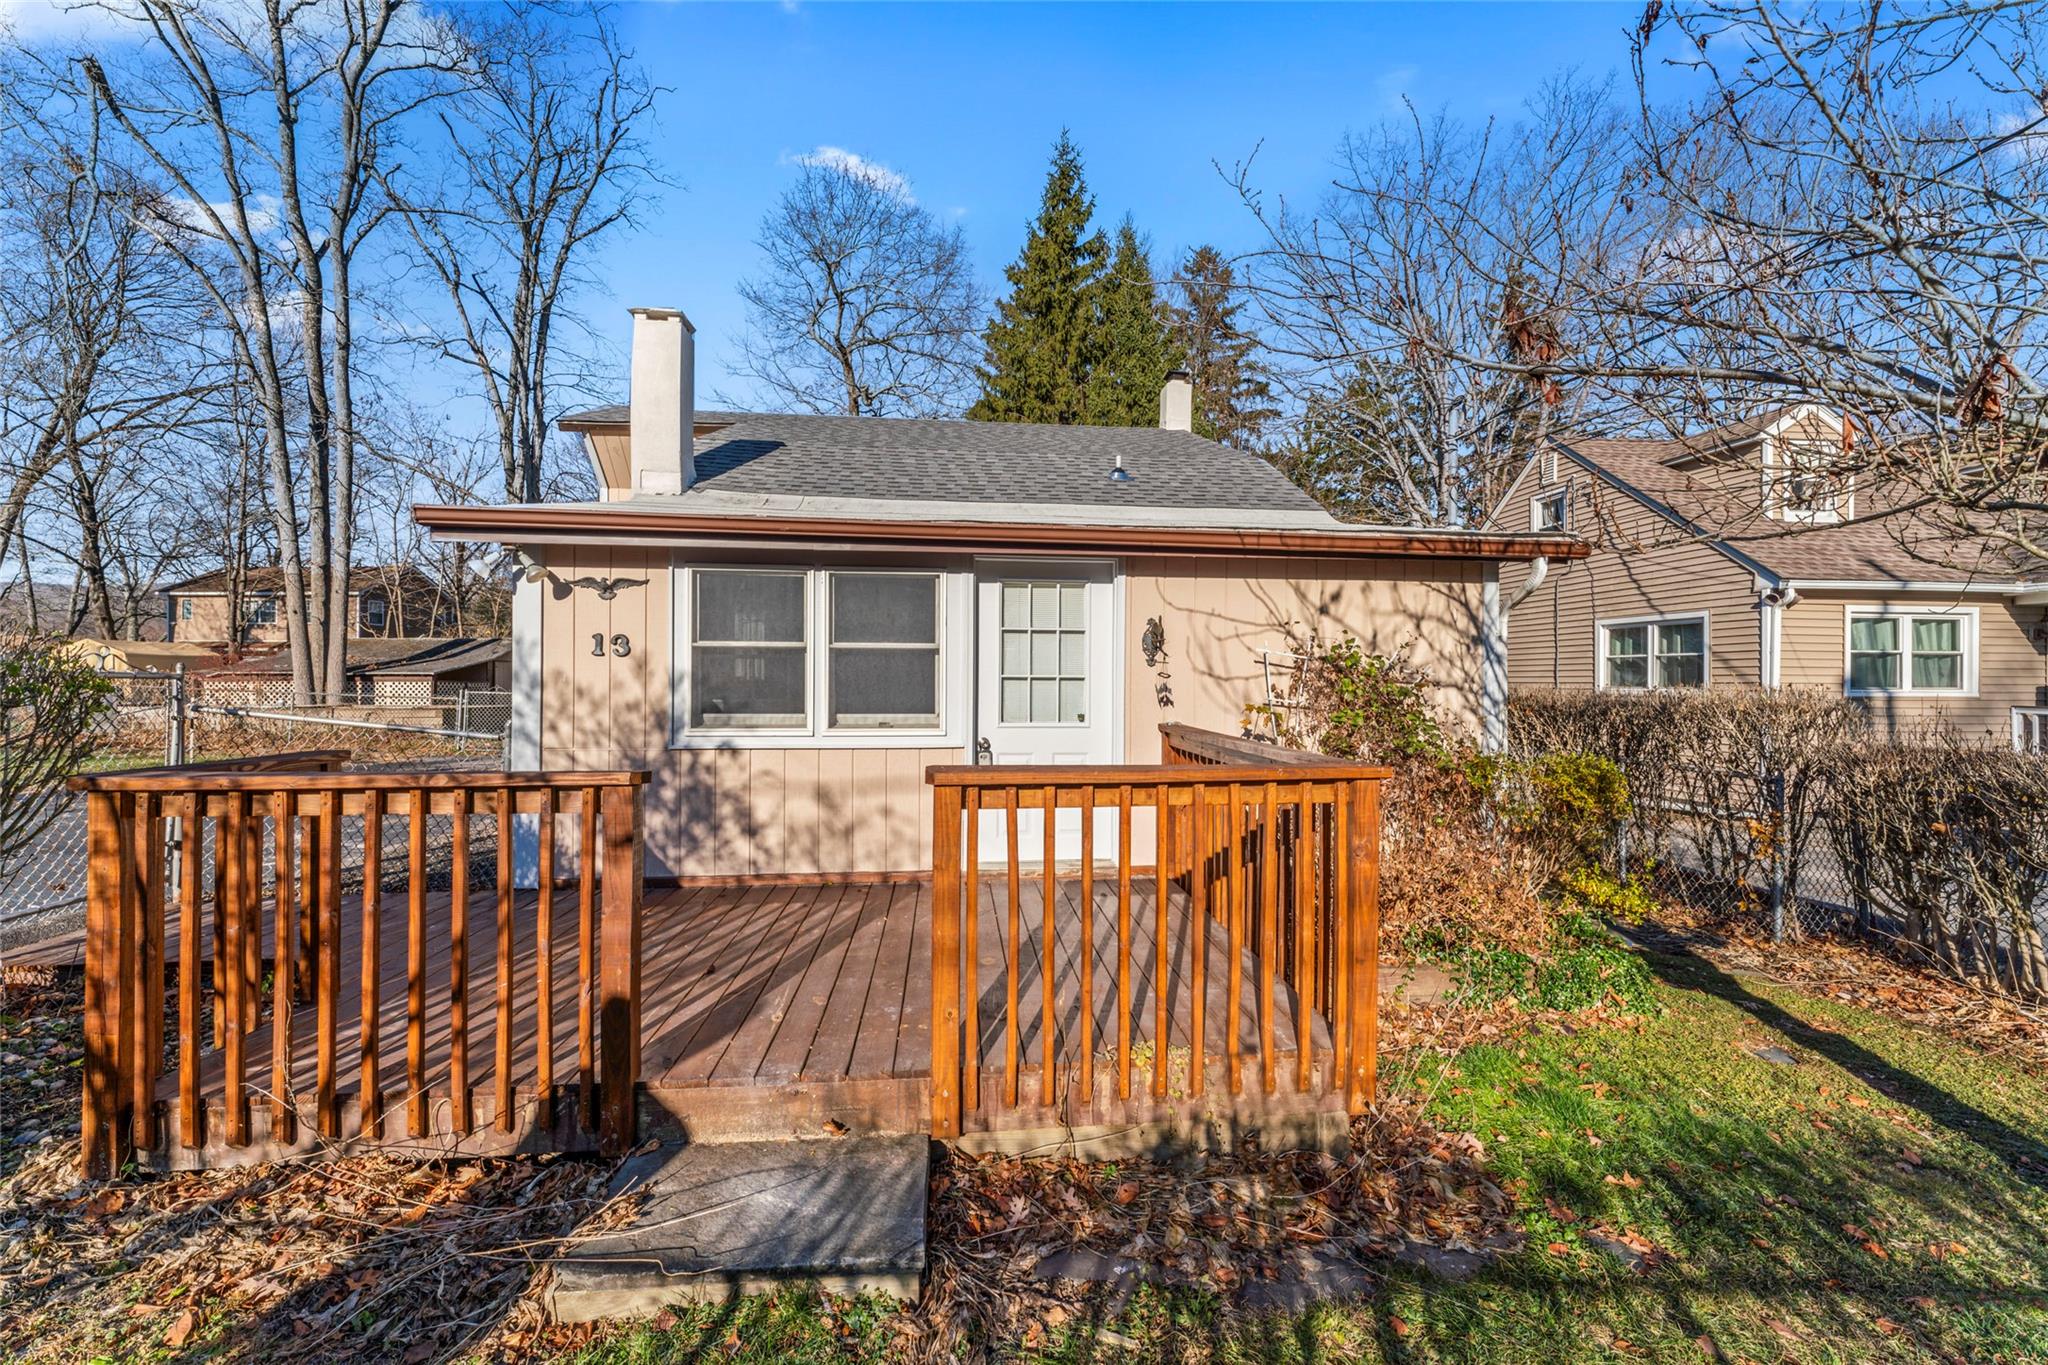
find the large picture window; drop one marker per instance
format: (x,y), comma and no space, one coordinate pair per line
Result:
(1644,654)
(1904,652)
(813,652)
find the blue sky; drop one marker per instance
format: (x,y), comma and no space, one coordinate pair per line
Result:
(965,101)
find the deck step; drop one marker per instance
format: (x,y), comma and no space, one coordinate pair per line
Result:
(728,1218)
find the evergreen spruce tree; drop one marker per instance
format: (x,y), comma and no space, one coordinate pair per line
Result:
(1136,350)
(1233,393)
(1042,343)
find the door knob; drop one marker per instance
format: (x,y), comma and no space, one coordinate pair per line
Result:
(982,752)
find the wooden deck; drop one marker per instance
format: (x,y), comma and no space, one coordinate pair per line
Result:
(783,1010)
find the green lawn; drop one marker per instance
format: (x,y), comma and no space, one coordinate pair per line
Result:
(1885,1197)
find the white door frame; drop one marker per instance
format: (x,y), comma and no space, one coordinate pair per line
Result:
(993,844)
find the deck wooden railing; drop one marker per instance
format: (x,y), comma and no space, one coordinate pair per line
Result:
(1270,855)
(147,834)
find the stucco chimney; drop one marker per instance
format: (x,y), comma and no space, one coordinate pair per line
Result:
(664,401)
(1177,402)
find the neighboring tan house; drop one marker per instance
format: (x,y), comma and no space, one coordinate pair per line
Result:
(1728,560)
(140,656)
(380,672)
(383,603)
(788,618)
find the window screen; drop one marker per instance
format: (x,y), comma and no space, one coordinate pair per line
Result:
(748,660)
(1938,653)
(1681,654)
(1873,653)
(1628,656)
(884,650)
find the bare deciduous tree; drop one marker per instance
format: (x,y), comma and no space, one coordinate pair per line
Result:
(866,306)
(545,158)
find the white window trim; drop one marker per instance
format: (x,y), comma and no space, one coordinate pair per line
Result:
(956,648)
(1704,621)
(1564,523)
(2028,722)
(1968,615)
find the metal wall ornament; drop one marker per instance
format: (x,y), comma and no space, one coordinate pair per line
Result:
(1153,642)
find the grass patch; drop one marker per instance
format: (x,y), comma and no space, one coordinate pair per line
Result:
(1880,1198)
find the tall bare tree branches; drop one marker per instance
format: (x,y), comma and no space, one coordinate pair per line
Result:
(865,304)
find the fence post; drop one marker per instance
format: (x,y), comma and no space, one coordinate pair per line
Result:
(1774,786)
(103,1135)
(619,968)
(1859,877)
(946,954)
(1362,861)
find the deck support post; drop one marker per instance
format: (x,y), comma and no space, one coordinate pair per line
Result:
(104,1131)
(619,969)
(1362,861)
(946,953)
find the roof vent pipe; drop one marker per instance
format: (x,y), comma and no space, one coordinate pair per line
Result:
(1177,402)
(1117,472)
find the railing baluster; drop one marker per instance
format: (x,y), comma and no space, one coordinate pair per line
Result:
(220,929)
(1048,1024)
(303,963)
(1233,1041)
(1198,937)
(235,1107)
(503,1059)
(284,928)
(1016,947)
(970,1083)
(327,945)
(191,853)
(1340,946)
(371,1100)
(1269,931)
(1123,941)
(1304,940)
(1087,944)
(416,964)
(544,965)
(586,962)
(100,1134)
(1162,983)
(146,1030)
(458,967)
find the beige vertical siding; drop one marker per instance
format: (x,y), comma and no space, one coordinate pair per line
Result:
(2012,660)
(1644,567)
(765,811)
(1219,613)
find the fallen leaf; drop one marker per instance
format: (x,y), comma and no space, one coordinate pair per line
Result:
(181,1330)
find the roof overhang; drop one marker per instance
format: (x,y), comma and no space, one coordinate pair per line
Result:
(541,524)
(2027,594)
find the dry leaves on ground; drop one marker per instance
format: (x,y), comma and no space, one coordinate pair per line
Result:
(1230,1221)
(367,1259)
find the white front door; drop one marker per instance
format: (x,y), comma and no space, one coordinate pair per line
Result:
(1045,691)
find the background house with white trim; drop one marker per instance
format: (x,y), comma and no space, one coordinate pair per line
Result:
(1732,559)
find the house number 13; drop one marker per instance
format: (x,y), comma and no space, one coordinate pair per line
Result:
(621,646)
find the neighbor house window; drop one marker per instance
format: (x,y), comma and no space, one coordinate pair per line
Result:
(1547,511)
(262,611)
(765,642)
(1643,654)
(184,609)
(1902,652)
(376,612)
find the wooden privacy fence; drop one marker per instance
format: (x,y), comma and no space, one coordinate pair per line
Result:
(148,834)
(1265,870)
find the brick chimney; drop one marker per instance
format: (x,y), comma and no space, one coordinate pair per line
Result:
(664,401)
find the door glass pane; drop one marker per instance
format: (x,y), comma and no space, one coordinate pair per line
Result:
(746,687)
(873,608)
(1044,670)
(1016,605)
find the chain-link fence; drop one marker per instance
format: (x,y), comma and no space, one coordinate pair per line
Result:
(168,719)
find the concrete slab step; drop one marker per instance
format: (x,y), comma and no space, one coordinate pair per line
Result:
(729,1218)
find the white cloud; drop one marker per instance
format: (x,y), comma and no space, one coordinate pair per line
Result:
(858,166)
(35,22)
(1392,86)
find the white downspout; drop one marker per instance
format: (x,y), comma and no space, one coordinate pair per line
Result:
(522,731)
(1493,663)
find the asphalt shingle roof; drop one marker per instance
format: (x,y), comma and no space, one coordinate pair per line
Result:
(446,654)
(933,460)
(1721,498)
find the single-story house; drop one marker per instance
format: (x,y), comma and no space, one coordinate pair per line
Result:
(140,656)
(1732,558)
(787,618)
(381,672)
(383,602)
